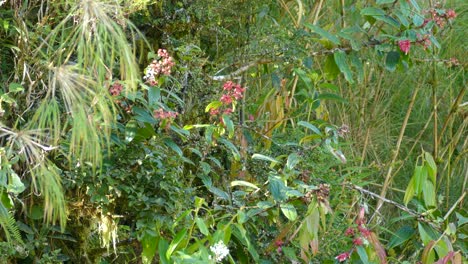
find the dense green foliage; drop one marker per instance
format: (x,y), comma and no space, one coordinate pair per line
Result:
(260,131)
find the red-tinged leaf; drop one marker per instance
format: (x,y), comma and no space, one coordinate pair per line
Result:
(379,249)
(314,246)
(446,259)
(428,254)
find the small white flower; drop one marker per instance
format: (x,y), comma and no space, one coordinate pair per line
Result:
(220,251)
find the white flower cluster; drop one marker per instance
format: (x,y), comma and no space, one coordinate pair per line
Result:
(2,2)
(220,251)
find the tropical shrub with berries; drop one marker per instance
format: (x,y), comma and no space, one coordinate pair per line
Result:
(288,131)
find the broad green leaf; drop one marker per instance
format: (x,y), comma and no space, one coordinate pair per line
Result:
(418,20)
(382,2)
(289,211)
(331,97)
(143,116)
(154,95)
(131,130)
(429,194)
(415,5)
(170,143)
(419,179)
(340,60)
(265,158)
(244,183)
(310,126)
(230,146)
(277,189)
(163,247)
(202,226)
(15,87)
(229,125)
(409,193)
(329,86)
(15,185)
(432,168)
(213,105)
(401,236)
(372,11)
(219,193)
(362,255)
(461,219)
(149,244)
(5,199)
(426,233)
(175,242)
(391,61)
(303,75)
(323,33)
(293,160)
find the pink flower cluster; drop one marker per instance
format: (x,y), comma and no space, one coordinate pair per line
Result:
(164,115)
(115,89)
(232,93)
(359,235)
(161,66)
(440,18)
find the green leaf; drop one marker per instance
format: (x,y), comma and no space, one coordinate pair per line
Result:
(429,194)
(202,226)
(143,116)
(419,178)
(154,95)
(340,60)
(265,158)
(229,145)
(331,97)
(392,60)
(382,2)
(329,86)
(15,87)
(219,193)
(409,193)
(415,5)
(418,20)
(149,243)
(323,33)
(401,236)
(175,242)
(310,126)
(372,11)
(131,130)
(229,125)
(289,211)
(244,183)
(277,189)
(163,246)
(303,75)
(213,105)
(170,143)
(461,219)
(15,185)
(432,168)
(293,160)
(362,255)
(426,233)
